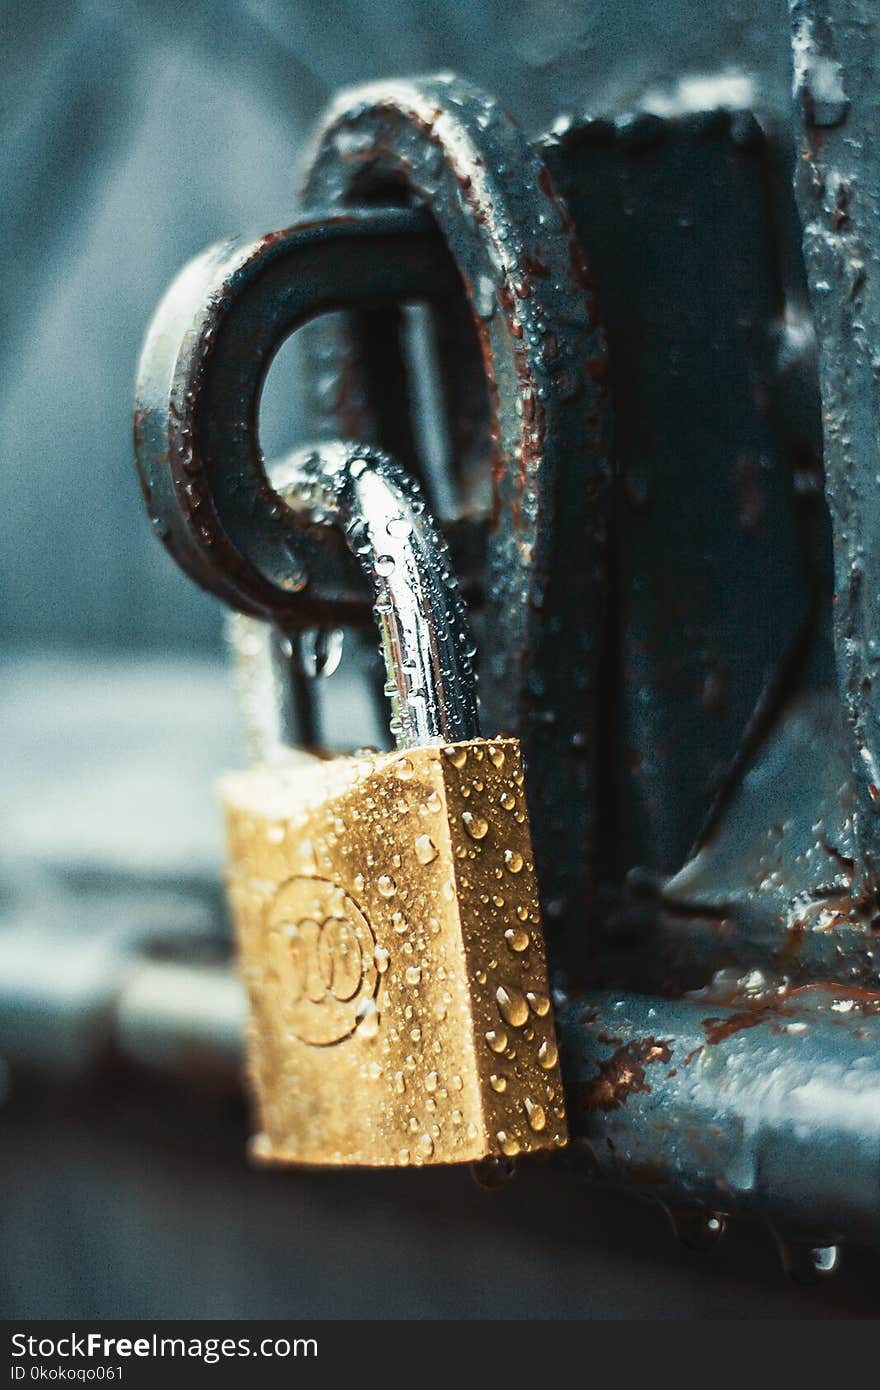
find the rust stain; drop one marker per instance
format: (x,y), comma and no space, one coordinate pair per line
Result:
(623,1074)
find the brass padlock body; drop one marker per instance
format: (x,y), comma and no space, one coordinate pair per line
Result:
(388,932)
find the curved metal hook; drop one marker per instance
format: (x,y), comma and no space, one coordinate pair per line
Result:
(199,382)
(425,634)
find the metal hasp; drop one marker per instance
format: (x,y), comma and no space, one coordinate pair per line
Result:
(837,186)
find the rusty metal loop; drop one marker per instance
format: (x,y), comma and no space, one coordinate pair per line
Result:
(199,382)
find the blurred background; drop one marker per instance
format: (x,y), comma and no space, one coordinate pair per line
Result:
(134,135)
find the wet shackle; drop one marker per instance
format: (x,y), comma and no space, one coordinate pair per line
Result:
(425,634)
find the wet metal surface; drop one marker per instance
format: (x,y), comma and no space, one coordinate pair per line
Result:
(655,605)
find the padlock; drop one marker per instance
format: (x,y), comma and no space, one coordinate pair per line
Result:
(385,904)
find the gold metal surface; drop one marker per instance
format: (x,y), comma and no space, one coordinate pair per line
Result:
(389,937)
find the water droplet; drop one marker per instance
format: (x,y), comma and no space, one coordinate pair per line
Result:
(426,1145)
(513,861)
(475,826)
(433,803)
(456,754)
(507,1144)
(496,755)
(386,885)
(498,1083)
(399,1082)
(307,857)
(537,1115)
(368,1019)
(399,526)
(319,651)
(403,1157)
(426,850)
(512,1005)
(484,296)
(516,938)
(547,1054)
(384,565)
(507,800)
(413,975)
(539,1003)
(381,957)
(431,1081)
(497,1039)
(403,768)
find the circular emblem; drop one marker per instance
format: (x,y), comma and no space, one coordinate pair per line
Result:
(319,963)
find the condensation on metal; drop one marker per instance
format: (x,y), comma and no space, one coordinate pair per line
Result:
(764,1102)
(837,187)
(425,634)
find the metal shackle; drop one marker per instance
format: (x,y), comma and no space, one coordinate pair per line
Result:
(425,633)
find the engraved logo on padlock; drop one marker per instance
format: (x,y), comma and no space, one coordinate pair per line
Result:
(321,975)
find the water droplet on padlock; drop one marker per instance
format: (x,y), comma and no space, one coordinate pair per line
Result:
(475,826)
(507,1144)
(539,1003)
(547,1055)
(497,1039)
(384,565)
(516,938)
(537,1115)
(413,975)
(386,885)
(307,857)
(399,526)
(456,755)
(368,1019)
(496,755)
(513,861)
(498,1083)
(426,1146)
(403,768)
(426,850)
(381,957)
(507,800)
(512,1005)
